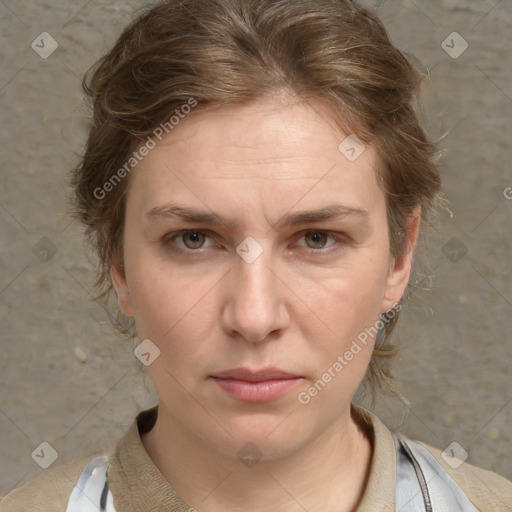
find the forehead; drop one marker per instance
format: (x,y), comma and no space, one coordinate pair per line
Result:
(268,130)
(278,149)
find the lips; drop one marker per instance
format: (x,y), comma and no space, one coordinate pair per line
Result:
(255,375)
(255,385)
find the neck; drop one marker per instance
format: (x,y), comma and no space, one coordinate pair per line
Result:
(328,474)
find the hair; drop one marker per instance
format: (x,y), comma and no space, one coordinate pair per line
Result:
(231,52)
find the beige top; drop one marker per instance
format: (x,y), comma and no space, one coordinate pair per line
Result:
(138,486)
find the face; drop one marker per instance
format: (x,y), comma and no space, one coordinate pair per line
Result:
(256,253)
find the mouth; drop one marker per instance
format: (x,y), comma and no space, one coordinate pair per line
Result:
(256,385)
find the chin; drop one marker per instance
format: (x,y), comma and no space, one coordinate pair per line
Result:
(266,437)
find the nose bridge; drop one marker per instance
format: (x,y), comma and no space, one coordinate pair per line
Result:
(255,276)
(254,307)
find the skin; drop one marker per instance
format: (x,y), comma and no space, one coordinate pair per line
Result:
(291,308)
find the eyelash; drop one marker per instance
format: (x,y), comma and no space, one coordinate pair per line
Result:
(169,238)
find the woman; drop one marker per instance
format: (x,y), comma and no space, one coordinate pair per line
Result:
(255,182)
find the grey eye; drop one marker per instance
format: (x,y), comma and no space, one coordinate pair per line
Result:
(319,240)
(193,240)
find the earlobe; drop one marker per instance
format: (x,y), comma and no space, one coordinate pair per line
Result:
(122,291)
(400,268)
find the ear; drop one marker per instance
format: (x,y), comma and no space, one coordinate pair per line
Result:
(400,268)
(121,286)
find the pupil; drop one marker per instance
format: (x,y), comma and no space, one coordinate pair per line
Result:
(317,238)
(195,240)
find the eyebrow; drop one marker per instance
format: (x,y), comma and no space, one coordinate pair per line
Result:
(334,211)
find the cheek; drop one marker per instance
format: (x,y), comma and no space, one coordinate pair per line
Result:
(341,326)
(341,348)
(172,307)
(346,298)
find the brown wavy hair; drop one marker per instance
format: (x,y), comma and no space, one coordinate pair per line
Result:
(225,52)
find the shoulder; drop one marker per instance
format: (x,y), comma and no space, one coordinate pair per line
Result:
(485,489)
(50,491)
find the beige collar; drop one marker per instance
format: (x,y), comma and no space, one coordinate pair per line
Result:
(150,491)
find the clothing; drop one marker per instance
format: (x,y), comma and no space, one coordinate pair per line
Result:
(138,486)
(422,484)
(91,492)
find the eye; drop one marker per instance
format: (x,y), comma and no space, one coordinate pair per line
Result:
(317,240)
(195,241)
(190,240)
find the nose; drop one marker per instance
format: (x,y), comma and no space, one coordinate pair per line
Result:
(255,300)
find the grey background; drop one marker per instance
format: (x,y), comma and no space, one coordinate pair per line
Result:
(67,380)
